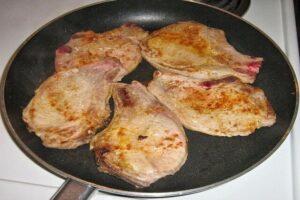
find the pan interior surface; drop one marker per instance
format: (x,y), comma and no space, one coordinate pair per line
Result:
(211,160)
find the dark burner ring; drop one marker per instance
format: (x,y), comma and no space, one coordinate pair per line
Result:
(238,7)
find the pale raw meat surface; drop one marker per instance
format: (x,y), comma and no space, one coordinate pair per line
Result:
(87,47)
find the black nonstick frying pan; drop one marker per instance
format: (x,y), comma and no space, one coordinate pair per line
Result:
(211,160)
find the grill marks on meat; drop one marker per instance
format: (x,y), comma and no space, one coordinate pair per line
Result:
(89,47)
(224,107)
(144,142)
(195,50)
(69,106)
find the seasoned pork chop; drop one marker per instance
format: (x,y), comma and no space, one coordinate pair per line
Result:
(195,50)
(69,106)
(88,47)
(144,142)
(129,30)
(222,107)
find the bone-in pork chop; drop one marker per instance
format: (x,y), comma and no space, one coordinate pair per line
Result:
(69,106)
(144,142)
(222,107)
(88,47)
(195,50)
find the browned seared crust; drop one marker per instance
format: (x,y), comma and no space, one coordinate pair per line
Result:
(69,106)
(144,142)
(221,107)
(195,50)
(129,30)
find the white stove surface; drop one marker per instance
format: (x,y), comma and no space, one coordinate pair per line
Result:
(276,178)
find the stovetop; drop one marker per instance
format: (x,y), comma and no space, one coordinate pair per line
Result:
(276,178)
(238,7)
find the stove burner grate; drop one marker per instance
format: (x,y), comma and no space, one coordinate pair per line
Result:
(238,7)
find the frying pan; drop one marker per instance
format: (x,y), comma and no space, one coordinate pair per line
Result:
(211,160)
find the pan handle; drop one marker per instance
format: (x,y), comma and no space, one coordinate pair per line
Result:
(73,190)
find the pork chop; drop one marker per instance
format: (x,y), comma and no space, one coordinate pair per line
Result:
(129,30)
(87,47)
(68,107)
(195,50)
(144,142)
(221,107)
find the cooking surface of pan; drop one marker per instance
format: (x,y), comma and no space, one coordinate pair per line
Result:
(211,160)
